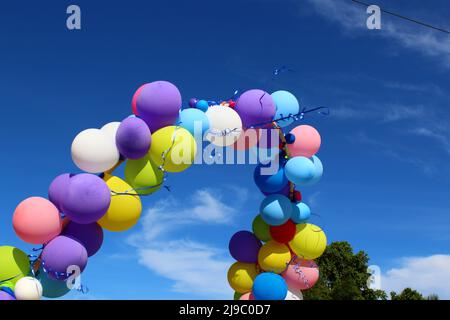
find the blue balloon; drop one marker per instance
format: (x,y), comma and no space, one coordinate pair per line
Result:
(268,181)
(190,118)
(300,213)
(269,286)
(318,172)
(276,209)
(202,105)
(300,170)
(52,288)
(286,104)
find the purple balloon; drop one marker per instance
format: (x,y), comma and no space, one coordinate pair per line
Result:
(286,191)
(159,104)
(5,296)
(193,102)
(89,235)
(244,247)
(86,199)
(57,189)
(61,253)
(133,138)
(255,107)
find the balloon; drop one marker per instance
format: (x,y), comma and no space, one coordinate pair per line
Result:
(237,295)
(301,213)
(60,254)
(269,286)
(158,104)
(300,170)
(202,105)
(86,199)
(173,147)
(276,209)
(283,233)
(309,242)
(301,274)
(190,119)
(4,296)
(244,247)
(133,138)
(294,295)
(14,264)
(28,288)
(36,220)
(274,257)
(110,130)
(52,288)
(286,191)
(290,138)
(143,175)
(270,177)
(94,151)
(193,102)
(286,104)
(255,107)
(241,275)
(134,101)
(247,296)
(307,142)
(225,126)
(261,229)
(89,235)
(125,210)
(57,189)
(318,172)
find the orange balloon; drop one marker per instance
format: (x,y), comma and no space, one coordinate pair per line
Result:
(36,220)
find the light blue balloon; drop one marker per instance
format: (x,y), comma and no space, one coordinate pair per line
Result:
(190,117)
(276,209)
(300,170)
(202,105)
(318,172)
(269,286)
(300,213)
(286,104)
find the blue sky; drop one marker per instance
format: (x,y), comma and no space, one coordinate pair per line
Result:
(386,144)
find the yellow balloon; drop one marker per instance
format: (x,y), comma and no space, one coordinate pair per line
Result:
(124,210)
(241,276)
(274,257)
(143,175)
(174,148)
(309,241)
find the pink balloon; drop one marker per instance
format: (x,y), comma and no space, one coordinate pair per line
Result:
(301,274)
(134,101)
(247,296)
(36,220)
(307,142)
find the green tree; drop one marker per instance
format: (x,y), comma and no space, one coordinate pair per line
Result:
(407,294)
(343,276)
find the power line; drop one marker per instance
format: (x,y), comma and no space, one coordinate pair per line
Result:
(427,25)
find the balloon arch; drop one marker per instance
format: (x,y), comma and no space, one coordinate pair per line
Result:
(274,262)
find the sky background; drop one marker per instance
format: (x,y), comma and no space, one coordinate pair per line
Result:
(385,145)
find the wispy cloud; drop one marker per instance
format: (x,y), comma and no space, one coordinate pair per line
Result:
(352,18)
(162,246)
(428,275)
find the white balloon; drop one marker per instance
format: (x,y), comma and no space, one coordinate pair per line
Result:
(28,288)
(111,129)
(294,295)
(225,125)
(94,151)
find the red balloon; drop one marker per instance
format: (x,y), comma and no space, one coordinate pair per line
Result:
(283,233)
(297,196)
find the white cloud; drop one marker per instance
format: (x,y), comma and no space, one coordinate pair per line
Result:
(427,275)
(193,267)
(353,17)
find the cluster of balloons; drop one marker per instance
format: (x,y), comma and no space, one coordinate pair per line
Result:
(158,138)
(276,260)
